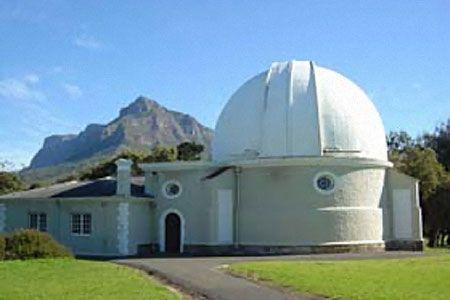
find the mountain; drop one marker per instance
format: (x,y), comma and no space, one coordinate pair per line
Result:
(141,125)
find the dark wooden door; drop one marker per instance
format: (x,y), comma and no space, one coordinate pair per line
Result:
(173,233)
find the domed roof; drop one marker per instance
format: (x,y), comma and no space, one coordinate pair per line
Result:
(297,108)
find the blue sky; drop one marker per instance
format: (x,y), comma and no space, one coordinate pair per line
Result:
(65,64)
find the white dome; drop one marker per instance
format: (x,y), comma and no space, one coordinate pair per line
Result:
(297,108)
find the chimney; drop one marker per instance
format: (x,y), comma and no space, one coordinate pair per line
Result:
(123,177)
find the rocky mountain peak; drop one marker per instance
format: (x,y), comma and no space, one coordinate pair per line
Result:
(142,124)
(140,105)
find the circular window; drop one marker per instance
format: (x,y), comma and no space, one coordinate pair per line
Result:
(171,189)
(325,183)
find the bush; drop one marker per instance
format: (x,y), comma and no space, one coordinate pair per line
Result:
(9,182)
(38,185)
(2,247)
(28,243)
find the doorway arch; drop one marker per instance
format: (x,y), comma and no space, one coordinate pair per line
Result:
(171,231)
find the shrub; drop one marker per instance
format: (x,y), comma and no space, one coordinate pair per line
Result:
(28,243)
(38,184)
(2,247)
(9,182)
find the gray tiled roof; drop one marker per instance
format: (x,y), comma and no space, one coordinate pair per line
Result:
(96,188)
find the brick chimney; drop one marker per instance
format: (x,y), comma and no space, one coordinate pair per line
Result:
(123,177)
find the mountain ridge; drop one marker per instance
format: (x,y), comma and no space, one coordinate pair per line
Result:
(142,124)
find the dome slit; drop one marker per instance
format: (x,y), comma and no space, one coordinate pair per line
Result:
(316,98)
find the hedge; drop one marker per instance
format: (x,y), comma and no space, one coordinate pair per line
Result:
(28,244)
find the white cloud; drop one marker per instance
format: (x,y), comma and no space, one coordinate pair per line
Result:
(57,70)
(31,78)
(87,42)
(30,117)
(32,12)
(21,89)
(74,91)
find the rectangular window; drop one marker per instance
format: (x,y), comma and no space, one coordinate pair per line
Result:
(43,222)
(81,224)
(33,221)
(37,221)
(76,224)
(86,224)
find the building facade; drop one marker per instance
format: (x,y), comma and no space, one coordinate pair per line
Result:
(299,165)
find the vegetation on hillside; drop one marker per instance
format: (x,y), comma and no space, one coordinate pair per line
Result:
(185,151)
(9,182)
(143,124)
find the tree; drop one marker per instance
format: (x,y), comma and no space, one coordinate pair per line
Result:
(439,141)
(101,170)
(9,182)
(422,164)
(189,151)
(108,167)
(399,141)
(438,208)
(162,154)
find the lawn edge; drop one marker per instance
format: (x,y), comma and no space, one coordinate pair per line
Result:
(270,284)
(180,289)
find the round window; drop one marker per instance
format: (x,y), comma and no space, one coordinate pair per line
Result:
(325,183)
(171,189)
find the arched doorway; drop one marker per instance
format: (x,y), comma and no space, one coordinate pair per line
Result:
(172,233)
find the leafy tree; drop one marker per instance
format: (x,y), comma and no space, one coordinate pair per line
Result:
(439,141)
(101,170)
(399,141)
(108,167)
(438,211)
(9,182)
(423,165)
(427,158)
(189,151)
(162,154)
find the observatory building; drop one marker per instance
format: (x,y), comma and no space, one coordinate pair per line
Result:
(299,165)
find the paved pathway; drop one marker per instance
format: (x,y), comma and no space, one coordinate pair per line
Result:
(202,277)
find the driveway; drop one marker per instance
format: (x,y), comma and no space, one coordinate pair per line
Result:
(202,277)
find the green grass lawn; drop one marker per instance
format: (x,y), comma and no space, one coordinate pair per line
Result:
(76,279)
(408,278)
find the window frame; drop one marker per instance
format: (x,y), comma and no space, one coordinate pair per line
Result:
(330,175)
(82,224)
(39,217)
(164,189)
